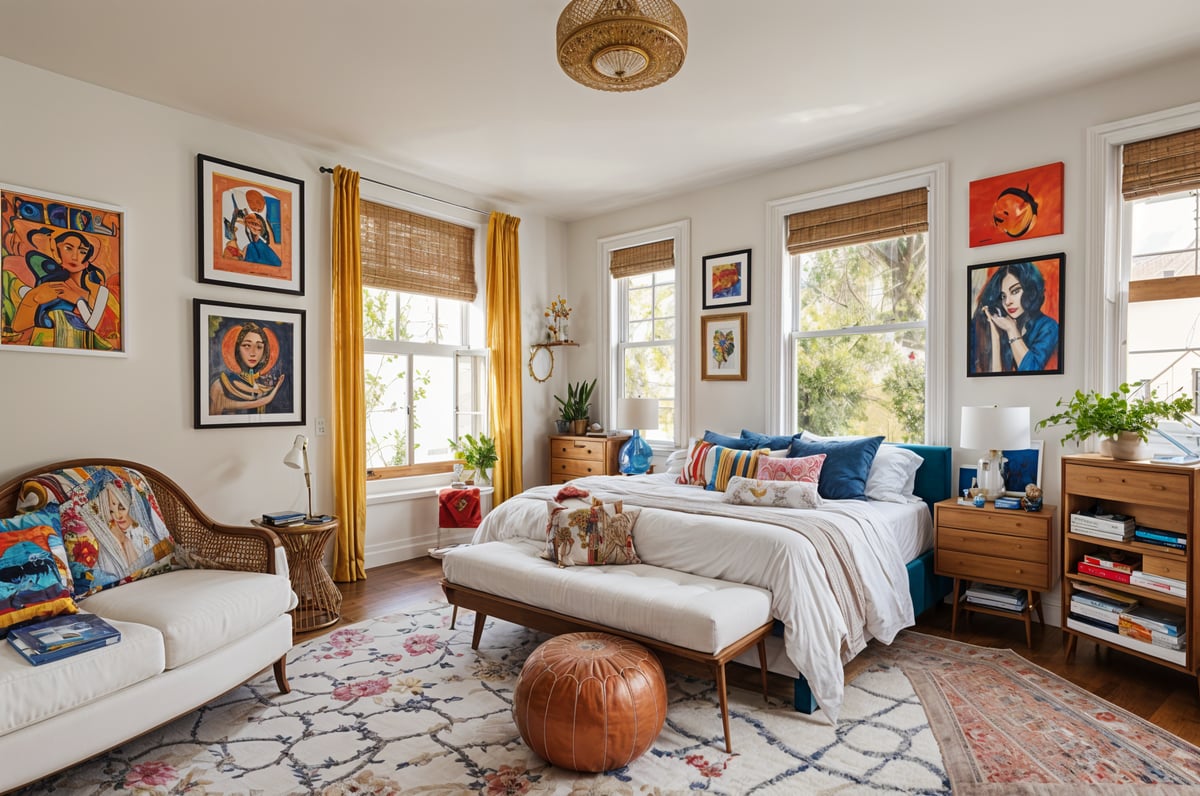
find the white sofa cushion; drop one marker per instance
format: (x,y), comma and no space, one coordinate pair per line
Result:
(31,693)
(196,610)
(676,607)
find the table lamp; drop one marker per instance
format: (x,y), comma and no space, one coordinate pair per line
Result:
(296,458)
(994,429)
(636,413)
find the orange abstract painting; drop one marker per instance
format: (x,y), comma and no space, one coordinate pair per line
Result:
(1016,206)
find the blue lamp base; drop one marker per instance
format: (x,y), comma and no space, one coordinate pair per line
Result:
(635,455)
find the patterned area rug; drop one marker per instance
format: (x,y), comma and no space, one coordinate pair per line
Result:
(402,704)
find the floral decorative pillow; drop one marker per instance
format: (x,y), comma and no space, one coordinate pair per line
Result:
(111,524)
(802,468)
(781,494)
(597,534)
(34,579)
(695,470)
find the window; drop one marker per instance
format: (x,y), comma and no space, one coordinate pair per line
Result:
(644,329)
(424,381)
(859,333)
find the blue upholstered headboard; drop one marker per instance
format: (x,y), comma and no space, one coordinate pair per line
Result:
(933,478)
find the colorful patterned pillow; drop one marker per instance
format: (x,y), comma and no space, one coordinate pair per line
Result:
(597,534)
(781,494)
(695,470)
(111,524)
(802,468)
(34,579)
(727,462)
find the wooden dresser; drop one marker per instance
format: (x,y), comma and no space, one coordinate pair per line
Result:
(574,457)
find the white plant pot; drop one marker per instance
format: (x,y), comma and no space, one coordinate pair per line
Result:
(1127,446)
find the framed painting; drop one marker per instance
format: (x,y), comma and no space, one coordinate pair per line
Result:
(966,477)
(251,227)
(726,279)
(62,274)
(249,365)
(1023,467)
(1016,206)
(723,347)
(1015,316)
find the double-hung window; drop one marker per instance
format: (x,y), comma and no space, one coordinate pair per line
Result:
(425,373)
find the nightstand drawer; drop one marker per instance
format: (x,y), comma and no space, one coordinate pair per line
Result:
(575,468)
(1170,490)
(1001,571)
(1001,521)
(984,543)
(578,449)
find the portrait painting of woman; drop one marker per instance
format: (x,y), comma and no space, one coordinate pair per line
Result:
(1015,317)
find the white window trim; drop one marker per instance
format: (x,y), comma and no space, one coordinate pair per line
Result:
(1107,231)
(610,319)
(780,392)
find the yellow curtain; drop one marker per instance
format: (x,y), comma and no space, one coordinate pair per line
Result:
(504,347)
(349,413)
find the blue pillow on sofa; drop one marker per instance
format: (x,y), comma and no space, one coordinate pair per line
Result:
(847,464)
(726,441)
(775,443)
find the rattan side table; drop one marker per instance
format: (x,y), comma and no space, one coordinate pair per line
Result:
(320,601)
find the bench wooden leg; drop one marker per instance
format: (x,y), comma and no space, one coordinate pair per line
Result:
(720,678)
(762,665)
(478,634)
(280,667)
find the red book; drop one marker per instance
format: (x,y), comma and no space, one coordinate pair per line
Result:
(1114,559)
(1085,568)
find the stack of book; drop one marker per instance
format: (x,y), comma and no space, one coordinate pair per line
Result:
(1002,597)
(1097,522)
(1154,626)
(1007,503)
(1178,541)
(282,518)
(1115,565)
(61,636)
(1099,607)
(1159,583)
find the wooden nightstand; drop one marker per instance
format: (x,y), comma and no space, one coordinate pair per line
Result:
(575,457)
(1003,547)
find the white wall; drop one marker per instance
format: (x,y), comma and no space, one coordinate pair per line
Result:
(69,137)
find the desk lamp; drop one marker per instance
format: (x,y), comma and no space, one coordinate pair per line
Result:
(296,458)
(636,413)
(994,429)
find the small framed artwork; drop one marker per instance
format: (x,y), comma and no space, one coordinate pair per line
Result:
(1016,206)
(251,227)
(723,347)
(726,279)
(966,476)
(62,274)
(1024,467)
(1015,315)
(249,365)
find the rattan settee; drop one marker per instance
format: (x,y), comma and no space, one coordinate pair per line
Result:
(188,636)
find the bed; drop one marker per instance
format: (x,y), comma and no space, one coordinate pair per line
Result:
(823,618)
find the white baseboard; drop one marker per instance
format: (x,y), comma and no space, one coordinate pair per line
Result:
(390,552)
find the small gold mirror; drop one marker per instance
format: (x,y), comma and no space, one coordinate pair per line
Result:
(541,362)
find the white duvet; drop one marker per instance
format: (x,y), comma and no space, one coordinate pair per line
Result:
(816,637)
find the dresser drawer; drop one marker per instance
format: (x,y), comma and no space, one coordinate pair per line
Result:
(1169,490)
(983,543)
(1007,522)
(1001,571)
(591,450)
(575,468)
(1167,566)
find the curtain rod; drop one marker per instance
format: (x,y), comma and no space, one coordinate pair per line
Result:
(327,170)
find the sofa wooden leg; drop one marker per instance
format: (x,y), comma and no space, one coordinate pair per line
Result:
(280,667)
(720,678)
(478,634)
(453,617)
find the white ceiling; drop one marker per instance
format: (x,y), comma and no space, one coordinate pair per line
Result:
(469,93)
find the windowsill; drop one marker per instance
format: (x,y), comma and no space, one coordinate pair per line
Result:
(412,487)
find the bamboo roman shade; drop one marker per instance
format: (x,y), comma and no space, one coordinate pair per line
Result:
(1161,165)
(644,259)
(416,254)
(877,218)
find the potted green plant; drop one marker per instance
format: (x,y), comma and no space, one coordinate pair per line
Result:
(577,405)
(479,453)
(1123,423)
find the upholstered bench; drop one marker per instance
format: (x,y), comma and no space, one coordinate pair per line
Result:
(695,624)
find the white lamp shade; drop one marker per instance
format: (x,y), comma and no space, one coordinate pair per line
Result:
(295,457)
(637,413)
(995,428)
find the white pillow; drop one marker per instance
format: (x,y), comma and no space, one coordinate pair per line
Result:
(782,494)
(893,473)
(674,463)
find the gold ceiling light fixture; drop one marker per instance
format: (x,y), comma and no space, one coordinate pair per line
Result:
(621,45)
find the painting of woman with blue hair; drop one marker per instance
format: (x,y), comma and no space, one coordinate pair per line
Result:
(1015,311)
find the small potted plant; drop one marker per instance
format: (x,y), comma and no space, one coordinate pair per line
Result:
(479,453)
(575,408)
(1122,423)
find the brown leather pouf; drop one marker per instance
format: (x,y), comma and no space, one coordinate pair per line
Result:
(590,701)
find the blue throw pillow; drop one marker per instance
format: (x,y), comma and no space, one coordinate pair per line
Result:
(775,443)
(847,464)
(726,441)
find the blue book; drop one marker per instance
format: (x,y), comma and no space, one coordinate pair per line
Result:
(1155,536)
(62,632)
(283,517)
(55,653)
(1104,603)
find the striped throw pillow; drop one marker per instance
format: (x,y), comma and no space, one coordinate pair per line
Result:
(727,462)
(694,471)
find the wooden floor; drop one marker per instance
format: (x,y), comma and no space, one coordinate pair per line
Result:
(1163,696)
